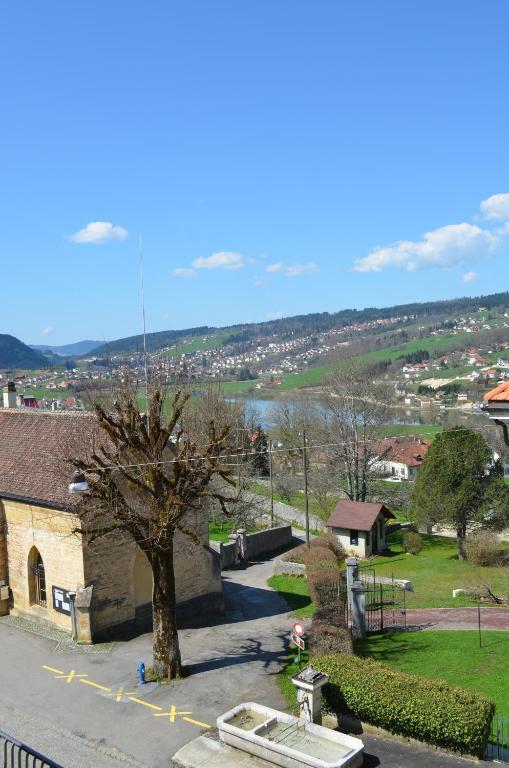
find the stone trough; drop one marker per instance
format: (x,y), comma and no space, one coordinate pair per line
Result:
(287,741)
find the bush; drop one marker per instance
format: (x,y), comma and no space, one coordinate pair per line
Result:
(429,710)
(412,542)
(325,541)
(326,637)
(483,548)
(320,559)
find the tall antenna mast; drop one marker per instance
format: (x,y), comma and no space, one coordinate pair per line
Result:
(144,329)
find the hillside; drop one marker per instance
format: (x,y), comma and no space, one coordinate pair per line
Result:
(306,324)
(78,348)
(15,354)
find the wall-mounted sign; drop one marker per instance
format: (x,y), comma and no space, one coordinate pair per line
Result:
(61,601)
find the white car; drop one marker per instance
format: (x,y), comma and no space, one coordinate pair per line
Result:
(395,479)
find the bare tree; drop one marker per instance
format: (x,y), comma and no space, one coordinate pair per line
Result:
(356,406)
(145,477)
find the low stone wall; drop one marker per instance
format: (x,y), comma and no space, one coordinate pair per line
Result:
(285,568)
(259,543)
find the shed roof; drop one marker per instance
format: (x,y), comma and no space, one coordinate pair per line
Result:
(356,515)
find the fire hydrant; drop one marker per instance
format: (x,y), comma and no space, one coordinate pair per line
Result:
(140,669)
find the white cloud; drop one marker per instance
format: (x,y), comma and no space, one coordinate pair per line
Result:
(99,232)
(469,277)
(47,329)
(184,272)
(449,246)
(220,260)
(294,270)
(275,315)
(496,207)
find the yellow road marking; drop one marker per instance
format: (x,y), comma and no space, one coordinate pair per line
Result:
(196,722)
(172,714)
(69,677)
(145,703)
(95,685)
(118,695)
(52,669)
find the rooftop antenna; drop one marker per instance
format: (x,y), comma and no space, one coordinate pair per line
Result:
(144,329)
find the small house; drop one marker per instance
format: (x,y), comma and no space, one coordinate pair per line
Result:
(359,527)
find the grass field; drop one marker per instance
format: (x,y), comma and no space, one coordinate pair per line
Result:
(221,531)
(453,656)
(424,431)
(199,344)
(436,571)
(294,589)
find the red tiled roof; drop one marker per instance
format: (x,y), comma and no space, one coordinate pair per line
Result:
(35,447)
(356,515)
(500,394)
(409,452)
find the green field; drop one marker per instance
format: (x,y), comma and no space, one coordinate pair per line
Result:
(294,589)
(453,656)
(221,531)
(200,344)
(424,431)
(436,571)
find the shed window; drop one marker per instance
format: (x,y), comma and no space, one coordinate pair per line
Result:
(354,538)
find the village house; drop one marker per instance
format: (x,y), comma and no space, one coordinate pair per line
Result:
(44,563)
(359,527)
(401,458)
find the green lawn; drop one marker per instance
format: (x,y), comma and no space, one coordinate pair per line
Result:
(453,656)
(294,589)
(221,531)
(424,431)
(199,344)
(436,571)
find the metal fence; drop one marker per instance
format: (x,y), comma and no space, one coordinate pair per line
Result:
(14,754)
(498,742)
(385,603)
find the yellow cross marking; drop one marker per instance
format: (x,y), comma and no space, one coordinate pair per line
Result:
(145,703)
(95,685)
(195,722)
(52,669)
(118,695)
(172,713)
(69,677)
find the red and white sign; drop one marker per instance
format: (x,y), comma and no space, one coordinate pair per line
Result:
(298,628)
(298,641)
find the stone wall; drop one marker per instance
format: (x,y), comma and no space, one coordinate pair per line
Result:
(51,532)
(4,602)
(258,544)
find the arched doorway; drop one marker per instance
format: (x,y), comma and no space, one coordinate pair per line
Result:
(36,579)
(142,577)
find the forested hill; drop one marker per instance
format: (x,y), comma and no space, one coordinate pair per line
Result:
(309,324)
(15,354)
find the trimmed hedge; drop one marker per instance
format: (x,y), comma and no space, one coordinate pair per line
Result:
(326,540)
(428,710)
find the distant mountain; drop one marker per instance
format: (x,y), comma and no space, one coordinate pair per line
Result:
(78,348)
(299,325)
(15,354)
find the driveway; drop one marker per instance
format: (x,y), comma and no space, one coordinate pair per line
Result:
(457,618)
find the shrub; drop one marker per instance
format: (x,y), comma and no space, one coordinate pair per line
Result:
(429,710)
(483,548)
(325,540)
(320,559)
(327,636)
(412,542)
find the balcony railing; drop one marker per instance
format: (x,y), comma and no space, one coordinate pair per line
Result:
(14,754)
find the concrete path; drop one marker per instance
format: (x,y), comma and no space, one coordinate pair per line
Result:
(457,618)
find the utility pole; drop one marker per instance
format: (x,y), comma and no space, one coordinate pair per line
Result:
(144,333)
(306,501)
(271,486)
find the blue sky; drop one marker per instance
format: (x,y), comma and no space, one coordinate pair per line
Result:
(278,157)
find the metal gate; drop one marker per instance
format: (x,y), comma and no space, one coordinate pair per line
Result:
(498,742)
(385,602)
(14,754)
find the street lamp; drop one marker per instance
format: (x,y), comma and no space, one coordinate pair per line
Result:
(496,406)
(79,483)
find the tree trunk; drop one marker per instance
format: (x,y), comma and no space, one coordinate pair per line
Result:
(167,661)
(460,538)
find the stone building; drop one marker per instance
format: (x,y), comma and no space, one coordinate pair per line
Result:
(359,527)
(44,562)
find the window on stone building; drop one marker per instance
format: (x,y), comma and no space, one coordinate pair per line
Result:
(36,579)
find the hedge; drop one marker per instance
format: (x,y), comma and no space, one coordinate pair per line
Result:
(327,540)
(428,710)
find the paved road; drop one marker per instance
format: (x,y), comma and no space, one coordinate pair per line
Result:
(457,618)
(85,709)
(285,511)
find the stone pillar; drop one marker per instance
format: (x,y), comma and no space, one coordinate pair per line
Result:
(309,684)
(83,614)
(358,593)
(352,574)
(4,587)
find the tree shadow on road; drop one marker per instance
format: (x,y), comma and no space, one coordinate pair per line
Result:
(249,651)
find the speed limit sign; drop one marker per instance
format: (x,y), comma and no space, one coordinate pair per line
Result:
(298,628)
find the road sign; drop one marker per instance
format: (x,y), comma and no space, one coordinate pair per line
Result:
(298,628)
(298,641)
